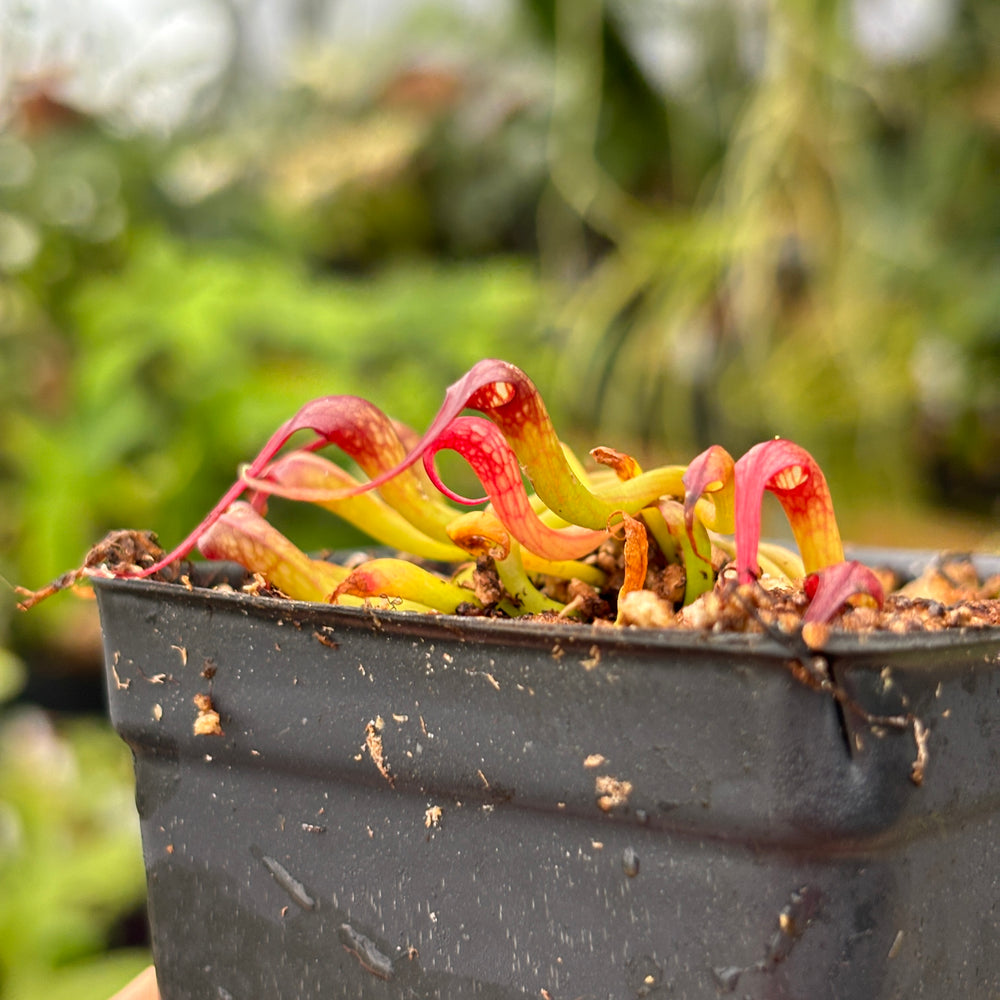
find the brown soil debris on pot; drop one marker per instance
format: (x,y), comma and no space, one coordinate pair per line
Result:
(948,594)
(645,609)
(916,607)
(125,550)
(585,602)
(207,722)
(486,583)
(919,767)
(121,553)
(373,743)
(611,792)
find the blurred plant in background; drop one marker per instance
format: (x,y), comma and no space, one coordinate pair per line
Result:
(204,287)
(817,249)
(71,876)
(689,221)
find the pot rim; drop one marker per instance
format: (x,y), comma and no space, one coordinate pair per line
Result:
(205,577)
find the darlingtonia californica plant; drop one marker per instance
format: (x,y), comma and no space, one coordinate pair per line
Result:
(552,536)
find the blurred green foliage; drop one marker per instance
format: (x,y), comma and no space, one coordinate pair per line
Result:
(772,231)
(71,868)
(165,361)
(817,256)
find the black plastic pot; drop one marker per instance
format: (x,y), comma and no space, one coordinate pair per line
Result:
(419,807)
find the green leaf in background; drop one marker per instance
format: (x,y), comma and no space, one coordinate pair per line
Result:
(71,866)
(95,978)
(12,674)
